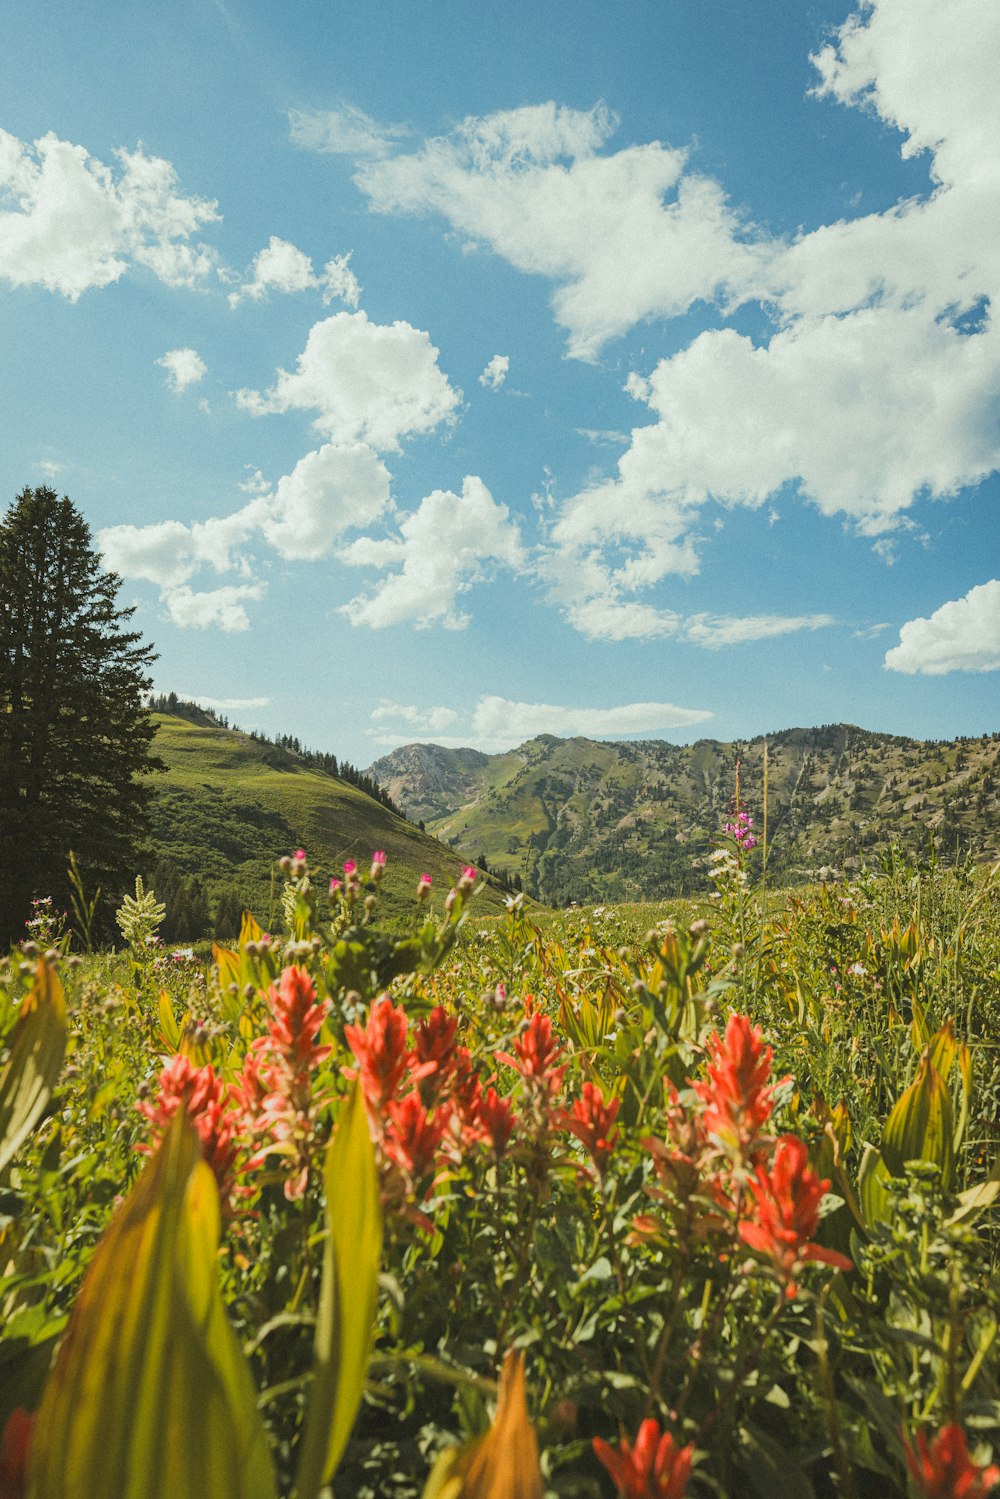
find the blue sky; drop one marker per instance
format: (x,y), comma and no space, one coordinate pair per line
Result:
(463,373)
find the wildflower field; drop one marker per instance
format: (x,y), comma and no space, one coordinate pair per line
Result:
(649,1202)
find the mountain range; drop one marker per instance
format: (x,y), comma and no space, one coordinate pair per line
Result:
(581,819)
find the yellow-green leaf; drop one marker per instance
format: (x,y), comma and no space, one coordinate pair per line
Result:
(37,1048)
(170,1031)
(504,1463)
(346,1319)
(873,1196)
(150,1396)
(921,1125)
(250,930)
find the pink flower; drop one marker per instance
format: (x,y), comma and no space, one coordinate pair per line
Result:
(944,1469)
(350,866)
(300,853)
(423,887)
(378,865)
(654,1468)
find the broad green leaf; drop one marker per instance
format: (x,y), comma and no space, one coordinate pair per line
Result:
(944,1048)
(921,1125)
(873,1196)
(150,1396)
(346,1319)
(37,1048)
(228,964)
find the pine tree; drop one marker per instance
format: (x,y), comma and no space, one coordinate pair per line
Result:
(74,732)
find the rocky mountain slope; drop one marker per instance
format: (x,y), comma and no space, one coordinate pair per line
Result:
(579,819)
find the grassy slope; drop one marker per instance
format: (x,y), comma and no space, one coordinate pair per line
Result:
(228,806)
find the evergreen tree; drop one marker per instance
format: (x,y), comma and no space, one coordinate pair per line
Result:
(74,732)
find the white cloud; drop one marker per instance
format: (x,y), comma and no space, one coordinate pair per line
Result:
(163,553)
(184,367)
(443,548)
(963,635)
(332,490)
(498,723)
(282,267)
(419,720)
(223,608)
(530,184)
(370,382)
(495,372)
(223,704)
(718,630)
(346,131)
(69,222)
(497,719)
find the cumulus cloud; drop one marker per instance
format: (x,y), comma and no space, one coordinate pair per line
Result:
(335,489)
(345,131)
(224,608)
(369,382)
(282,267)
(184,367)
(963,635)
(498,723)
(531,185)
(879,384)
(443,547)
(417,720)
(69,222)
(338,487)
(495,372)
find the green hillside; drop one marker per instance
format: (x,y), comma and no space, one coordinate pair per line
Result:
(584,820)
(229,805)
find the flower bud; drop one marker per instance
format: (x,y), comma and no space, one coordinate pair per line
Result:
(423,887)
(378,865)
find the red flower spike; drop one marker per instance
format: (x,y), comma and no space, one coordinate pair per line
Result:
(213,1109)
(412,1136)
(15,1446)
(297,1020)
(944,1469)
(537,1054)
(497,1119)
(653,1468)
(786,1202)
(590,1120)
(382,1051)
(435,1045)
(736,1097)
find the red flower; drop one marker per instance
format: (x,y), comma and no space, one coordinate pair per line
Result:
(590,1120)
(412,1136)
(435,1048)
(787,1200)
(536,1054)
(944,1469)
(14,1448)
(496,1118)
(297,1019)
(654,1468)
(382,1052)
(736,1098)
(212,1108)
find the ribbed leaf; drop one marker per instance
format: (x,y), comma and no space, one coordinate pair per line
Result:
(346,1319)
(873,1198)
(37,1048)
(921,1125)
(170,1031)
(150,1396)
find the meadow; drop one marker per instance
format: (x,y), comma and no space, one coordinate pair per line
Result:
(693,1199)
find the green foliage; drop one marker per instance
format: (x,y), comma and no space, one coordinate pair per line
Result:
(138,917)
(74,733)
(622,1236)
